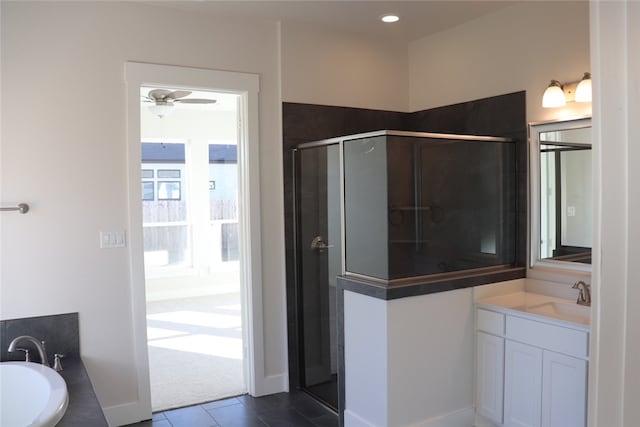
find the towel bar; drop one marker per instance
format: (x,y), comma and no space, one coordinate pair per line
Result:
(23,208)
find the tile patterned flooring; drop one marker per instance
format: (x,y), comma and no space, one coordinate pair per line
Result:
(295,409)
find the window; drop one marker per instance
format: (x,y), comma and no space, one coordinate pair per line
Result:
(229,242)
(223,182)
(148,193)
(169,190)
(169,173)
(167,232)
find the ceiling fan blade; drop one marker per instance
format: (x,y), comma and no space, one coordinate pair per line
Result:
(158,94)
(178,94)
(196,101)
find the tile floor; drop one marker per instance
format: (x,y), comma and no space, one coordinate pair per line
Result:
(295,409)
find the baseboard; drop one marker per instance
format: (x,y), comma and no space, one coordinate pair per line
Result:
(460,418)
(272,384)
(127,413)
(481,421)
(352,419)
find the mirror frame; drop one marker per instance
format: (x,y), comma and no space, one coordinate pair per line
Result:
(535,129)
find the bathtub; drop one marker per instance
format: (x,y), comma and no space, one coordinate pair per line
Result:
(31,395)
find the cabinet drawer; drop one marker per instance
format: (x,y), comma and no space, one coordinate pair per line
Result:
(551,337)
(490,321)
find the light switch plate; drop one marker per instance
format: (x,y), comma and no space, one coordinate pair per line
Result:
(112,239)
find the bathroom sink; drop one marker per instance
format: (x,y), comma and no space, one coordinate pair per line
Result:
(563,311)
(31,395)
(540,305)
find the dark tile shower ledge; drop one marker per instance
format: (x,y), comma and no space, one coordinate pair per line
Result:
(414,286)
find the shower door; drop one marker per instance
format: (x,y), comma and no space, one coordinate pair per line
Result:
(319,262)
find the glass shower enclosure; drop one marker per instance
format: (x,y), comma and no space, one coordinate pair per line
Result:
(419,204)
(319,262)
(392,207)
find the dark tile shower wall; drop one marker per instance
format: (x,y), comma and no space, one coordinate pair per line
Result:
(502,116)
(60,333)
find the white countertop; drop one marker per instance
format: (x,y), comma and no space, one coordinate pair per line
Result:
(541,308)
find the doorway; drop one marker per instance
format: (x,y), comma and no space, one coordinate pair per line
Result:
(319,262)
(189,189)
(245,87)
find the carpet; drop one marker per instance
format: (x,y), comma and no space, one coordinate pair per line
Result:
(195,351)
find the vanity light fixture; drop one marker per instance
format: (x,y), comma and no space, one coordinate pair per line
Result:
(557,94)
(390,18)
(583,91)
(553,95)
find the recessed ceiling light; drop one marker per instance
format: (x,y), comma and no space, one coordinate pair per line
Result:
(390,18)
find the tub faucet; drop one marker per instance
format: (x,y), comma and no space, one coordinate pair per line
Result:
(38,344)
(584,296)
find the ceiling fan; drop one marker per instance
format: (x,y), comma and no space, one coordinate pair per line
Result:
(163,100)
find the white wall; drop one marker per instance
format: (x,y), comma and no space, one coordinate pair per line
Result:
(632,325)
(64,152)
(322,66)
(521,47)
(409,361)
(366,360)
(431,350)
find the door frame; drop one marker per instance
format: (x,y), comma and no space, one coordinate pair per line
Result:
(247,86)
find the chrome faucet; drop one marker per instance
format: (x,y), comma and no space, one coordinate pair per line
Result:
(38,344)
(584,295)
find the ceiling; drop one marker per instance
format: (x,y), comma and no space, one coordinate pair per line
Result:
(417,18)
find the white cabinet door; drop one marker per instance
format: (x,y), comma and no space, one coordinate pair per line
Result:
(489,376)
(564,391)
(523,385)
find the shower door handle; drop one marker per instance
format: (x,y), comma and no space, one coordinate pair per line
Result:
(319,244)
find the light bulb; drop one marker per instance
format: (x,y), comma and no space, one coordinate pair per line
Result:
(554,96)
(583,91)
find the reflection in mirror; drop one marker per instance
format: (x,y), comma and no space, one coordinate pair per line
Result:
(562,192)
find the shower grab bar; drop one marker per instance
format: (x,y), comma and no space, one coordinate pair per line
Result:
(23,208)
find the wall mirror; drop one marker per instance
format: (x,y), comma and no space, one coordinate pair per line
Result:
(561,194)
